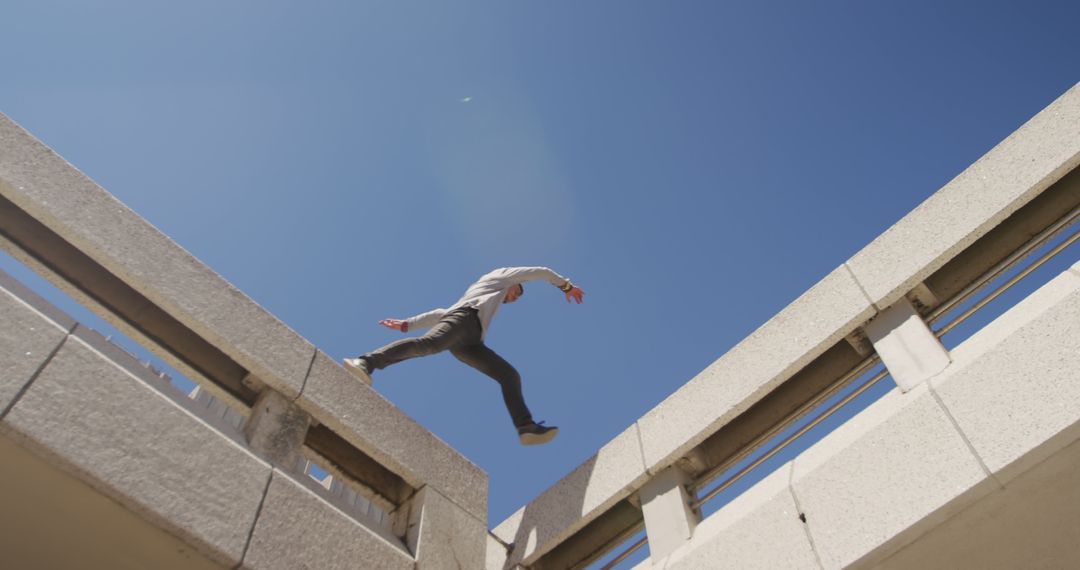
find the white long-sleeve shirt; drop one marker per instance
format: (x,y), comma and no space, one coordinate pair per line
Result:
(487,294)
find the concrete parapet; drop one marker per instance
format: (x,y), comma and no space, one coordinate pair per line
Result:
(1016,384)
(760,529)
(38,181)
(297,529)
(495,557)
(880,473)
(1008,176)
(443,535)
(29,337)
(615,472)
(125,439)
(375,426)
(818,319)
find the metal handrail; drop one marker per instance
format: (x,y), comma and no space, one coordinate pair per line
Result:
(965,294)
(789,439)
(626,554)
(839,384)
(1001,289)
(1004,265)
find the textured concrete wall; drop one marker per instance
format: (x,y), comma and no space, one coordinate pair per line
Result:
(73,207)
(913,462)
(1008,177)
(91,413)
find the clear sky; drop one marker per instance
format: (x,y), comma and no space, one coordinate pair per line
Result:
(693,165)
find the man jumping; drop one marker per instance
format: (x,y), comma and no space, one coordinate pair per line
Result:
(461,330)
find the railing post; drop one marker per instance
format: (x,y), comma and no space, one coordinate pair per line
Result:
(276,428)
(906,345)
(665,504)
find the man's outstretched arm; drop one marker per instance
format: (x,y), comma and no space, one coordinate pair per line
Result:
(421,321)
(514,275)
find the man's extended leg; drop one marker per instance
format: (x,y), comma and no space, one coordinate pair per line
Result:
(454,329)
(482,358)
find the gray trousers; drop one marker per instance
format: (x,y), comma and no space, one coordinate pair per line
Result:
(459,332)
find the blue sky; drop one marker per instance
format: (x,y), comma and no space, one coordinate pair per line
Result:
(693,165)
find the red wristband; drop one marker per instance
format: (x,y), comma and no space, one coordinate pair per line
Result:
(405,326)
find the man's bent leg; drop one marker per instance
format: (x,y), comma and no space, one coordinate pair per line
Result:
(482,358)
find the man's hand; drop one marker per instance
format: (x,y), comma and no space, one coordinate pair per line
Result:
(576,293)
(396,324)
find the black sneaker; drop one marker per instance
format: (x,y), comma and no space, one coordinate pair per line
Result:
(360,368)
(536,433)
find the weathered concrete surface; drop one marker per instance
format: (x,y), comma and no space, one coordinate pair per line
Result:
(40,182)
(818,319)
(276,429)
(52,520)
(1022,386)
(297,529)
(760,529)
(607,477)
(883,471)
(128,441)
(28,337)
(665,505)
(1007,177)
(367,420)
(443,535)
(906,346)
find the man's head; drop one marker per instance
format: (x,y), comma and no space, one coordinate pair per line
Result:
(514,293)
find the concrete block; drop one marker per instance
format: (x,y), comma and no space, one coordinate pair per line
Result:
(818,319)
(276,428)
(897,463)
(665,505)
(40,182)
(375,426)
(91,417)
(443,535)
(495,558)
(612,474)
(1013,385)
(906,345)
(297,529)
(27,339)
(759,529)
(1007,177)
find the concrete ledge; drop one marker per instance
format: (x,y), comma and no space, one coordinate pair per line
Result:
(1027,162)
(444,535)
(759,529)
(93,418)
(375,426)
(71,205)
(593,487)
(818,319)
(28,338)
(495,558)
(886,469)
(297,529)
(1016,384)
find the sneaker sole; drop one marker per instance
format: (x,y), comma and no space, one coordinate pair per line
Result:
(363,377)
(537,439)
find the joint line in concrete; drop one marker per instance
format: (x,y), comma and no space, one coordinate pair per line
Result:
(255,522)
(802,515)
(963,436)
(22,391)
(310,366)
(861,288)
(641,448)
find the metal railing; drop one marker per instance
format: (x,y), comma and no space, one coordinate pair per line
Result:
(1010,262)
(997,271)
